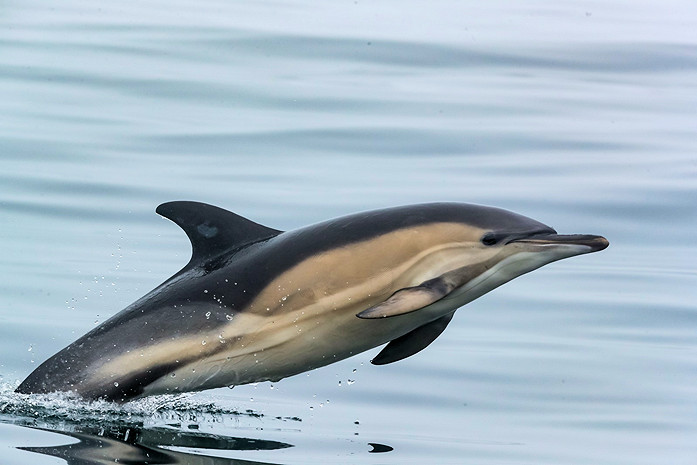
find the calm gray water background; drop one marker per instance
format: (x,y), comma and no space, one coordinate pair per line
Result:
(582,115)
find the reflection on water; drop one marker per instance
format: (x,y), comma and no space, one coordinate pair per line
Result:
(98,445)
(379,448)
(154,430)
(138,432)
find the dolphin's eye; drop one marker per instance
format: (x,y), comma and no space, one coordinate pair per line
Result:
(489,239)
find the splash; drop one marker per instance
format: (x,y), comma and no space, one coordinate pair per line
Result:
(142,431)
(48,410)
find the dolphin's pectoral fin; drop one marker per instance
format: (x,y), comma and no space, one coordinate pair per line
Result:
(412,342)
(213,230)
(409,299)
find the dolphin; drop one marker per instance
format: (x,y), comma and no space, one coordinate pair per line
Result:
(258,304)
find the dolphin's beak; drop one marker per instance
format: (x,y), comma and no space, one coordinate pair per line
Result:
(584,243)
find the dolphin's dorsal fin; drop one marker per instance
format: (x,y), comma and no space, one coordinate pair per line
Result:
(213,230)
(412,342)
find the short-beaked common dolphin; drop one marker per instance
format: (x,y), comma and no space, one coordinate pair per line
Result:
(258,304)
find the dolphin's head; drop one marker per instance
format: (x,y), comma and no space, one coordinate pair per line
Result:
(501,245)
(494,232)
(462,252)
(454,253)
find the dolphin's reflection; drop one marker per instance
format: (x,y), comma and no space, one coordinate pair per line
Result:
(156,431)
(136,445)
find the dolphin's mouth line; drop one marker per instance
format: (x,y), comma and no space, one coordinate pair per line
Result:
(595,243)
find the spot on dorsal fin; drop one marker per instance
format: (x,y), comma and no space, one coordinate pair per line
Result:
(213,230)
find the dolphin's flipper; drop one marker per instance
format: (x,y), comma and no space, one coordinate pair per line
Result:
(412,342)
(410,299)
(213,230)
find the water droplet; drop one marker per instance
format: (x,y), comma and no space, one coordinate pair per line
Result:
(354,370)
(205,291)
(208,315)
(350,381)
(284,298)
(203,343)
(339,383)
(173,375)
(116,384)
(228,317)
(30,348)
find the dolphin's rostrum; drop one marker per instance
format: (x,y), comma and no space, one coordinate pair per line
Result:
(256,304)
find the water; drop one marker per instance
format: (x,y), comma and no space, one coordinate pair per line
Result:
(581,115)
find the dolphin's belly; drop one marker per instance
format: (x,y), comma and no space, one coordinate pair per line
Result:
(307,320)
(288,345)
(306,317)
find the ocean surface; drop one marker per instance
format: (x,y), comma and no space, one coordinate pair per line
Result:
(582,115)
